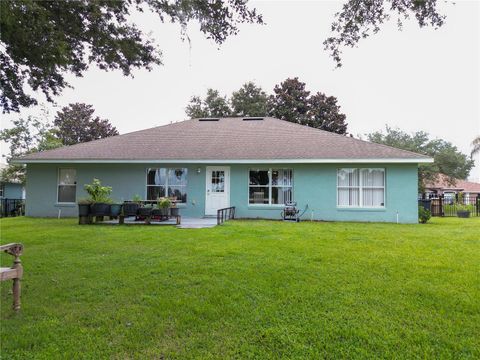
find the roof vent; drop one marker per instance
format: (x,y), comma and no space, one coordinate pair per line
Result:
(252,118)
(209,119)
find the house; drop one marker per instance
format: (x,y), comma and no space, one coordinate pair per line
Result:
(254,164)
(11,189)
(443,187)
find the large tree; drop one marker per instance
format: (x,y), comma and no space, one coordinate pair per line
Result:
(42,41)
(290,101)
(249,100)
(448,159)
(324,113)
(214,105)
(359,19)
(76,123)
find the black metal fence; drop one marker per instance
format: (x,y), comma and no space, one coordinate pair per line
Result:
(448,206)
(12,207)
(225,214)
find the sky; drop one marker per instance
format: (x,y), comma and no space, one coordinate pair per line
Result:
(414,79)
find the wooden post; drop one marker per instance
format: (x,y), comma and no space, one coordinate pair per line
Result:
(148,219)
(121,219)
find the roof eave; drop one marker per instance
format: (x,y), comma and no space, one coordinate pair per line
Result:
(229,161)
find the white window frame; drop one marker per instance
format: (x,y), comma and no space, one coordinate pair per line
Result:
(166,182)
(269,186)
(2,190)
(360,188)
(74,185)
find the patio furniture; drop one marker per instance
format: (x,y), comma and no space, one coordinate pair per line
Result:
(15,272)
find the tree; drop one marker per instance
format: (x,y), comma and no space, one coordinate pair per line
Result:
(249,100)
(359,19)
(27,135)
(75,124)
(476,146)
(214,105)
(42,41)
(324,114)
(290,101)
(448,159)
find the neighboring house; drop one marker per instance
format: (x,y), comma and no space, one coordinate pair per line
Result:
(11,189)
(443,187)
(254,164)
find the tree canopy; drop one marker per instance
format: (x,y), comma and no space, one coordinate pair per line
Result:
(42,41)
(75,124)
(290,101)
(360,19)
(214,105)
(448,159)
(249,100)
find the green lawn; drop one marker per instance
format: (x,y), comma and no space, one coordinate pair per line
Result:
(246,289)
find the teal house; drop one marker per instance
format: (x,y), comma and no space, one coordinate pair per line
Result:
(254,164)
(11,189)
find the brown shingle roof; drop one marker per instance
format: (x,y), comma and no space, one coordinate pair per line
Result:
(443,184)
(226,139)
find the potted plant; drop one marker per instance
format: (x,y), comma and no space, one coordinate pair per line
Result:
(145,211)
(115,209)
(463,211)
(173,208)
(100,198)
(164,205)
(84,207)
(130,208)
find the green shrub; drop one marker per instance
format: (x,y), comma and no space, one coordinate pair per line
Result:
(423,215)
(164,203)
(98,193)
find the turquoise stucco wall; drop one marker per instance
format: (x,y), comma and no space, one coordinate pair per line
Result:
(314,184)
(12,191)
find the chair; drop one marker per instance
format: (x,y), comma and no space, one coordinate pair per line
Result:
(14,273)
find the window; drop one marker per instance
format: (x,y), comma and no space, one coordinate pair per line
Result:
(67,185)
(218,181)
(270,186)
(2,190)
(167,182)
(361,187)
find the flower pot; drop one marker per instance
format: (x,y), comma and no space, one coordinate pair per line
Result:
(144,211)
(164,211)
(83,209)
(174,211)
(100,209)
(115,209)
(130,209)
(463,213)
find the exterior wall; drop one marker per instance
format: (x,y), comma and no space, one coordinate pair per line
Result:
(314,184)
(12,191)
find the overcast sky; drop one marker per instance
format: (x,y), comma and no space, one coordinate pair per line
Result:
(416,79)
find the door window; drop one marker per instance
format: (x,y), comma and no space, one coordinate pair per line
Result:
(218,181)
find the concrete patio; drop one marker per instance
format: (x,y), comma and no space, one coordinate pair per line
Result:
(186,222)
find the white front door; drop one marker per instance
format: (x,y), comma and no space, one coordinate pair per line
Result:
(218,189)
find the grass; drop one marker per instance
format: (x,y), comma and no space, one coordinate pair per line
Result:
(246,289)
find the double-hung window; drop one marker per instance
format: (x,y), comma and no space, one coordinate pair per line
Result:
(67,185)
(270,186)
(361,188)
(165,182)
